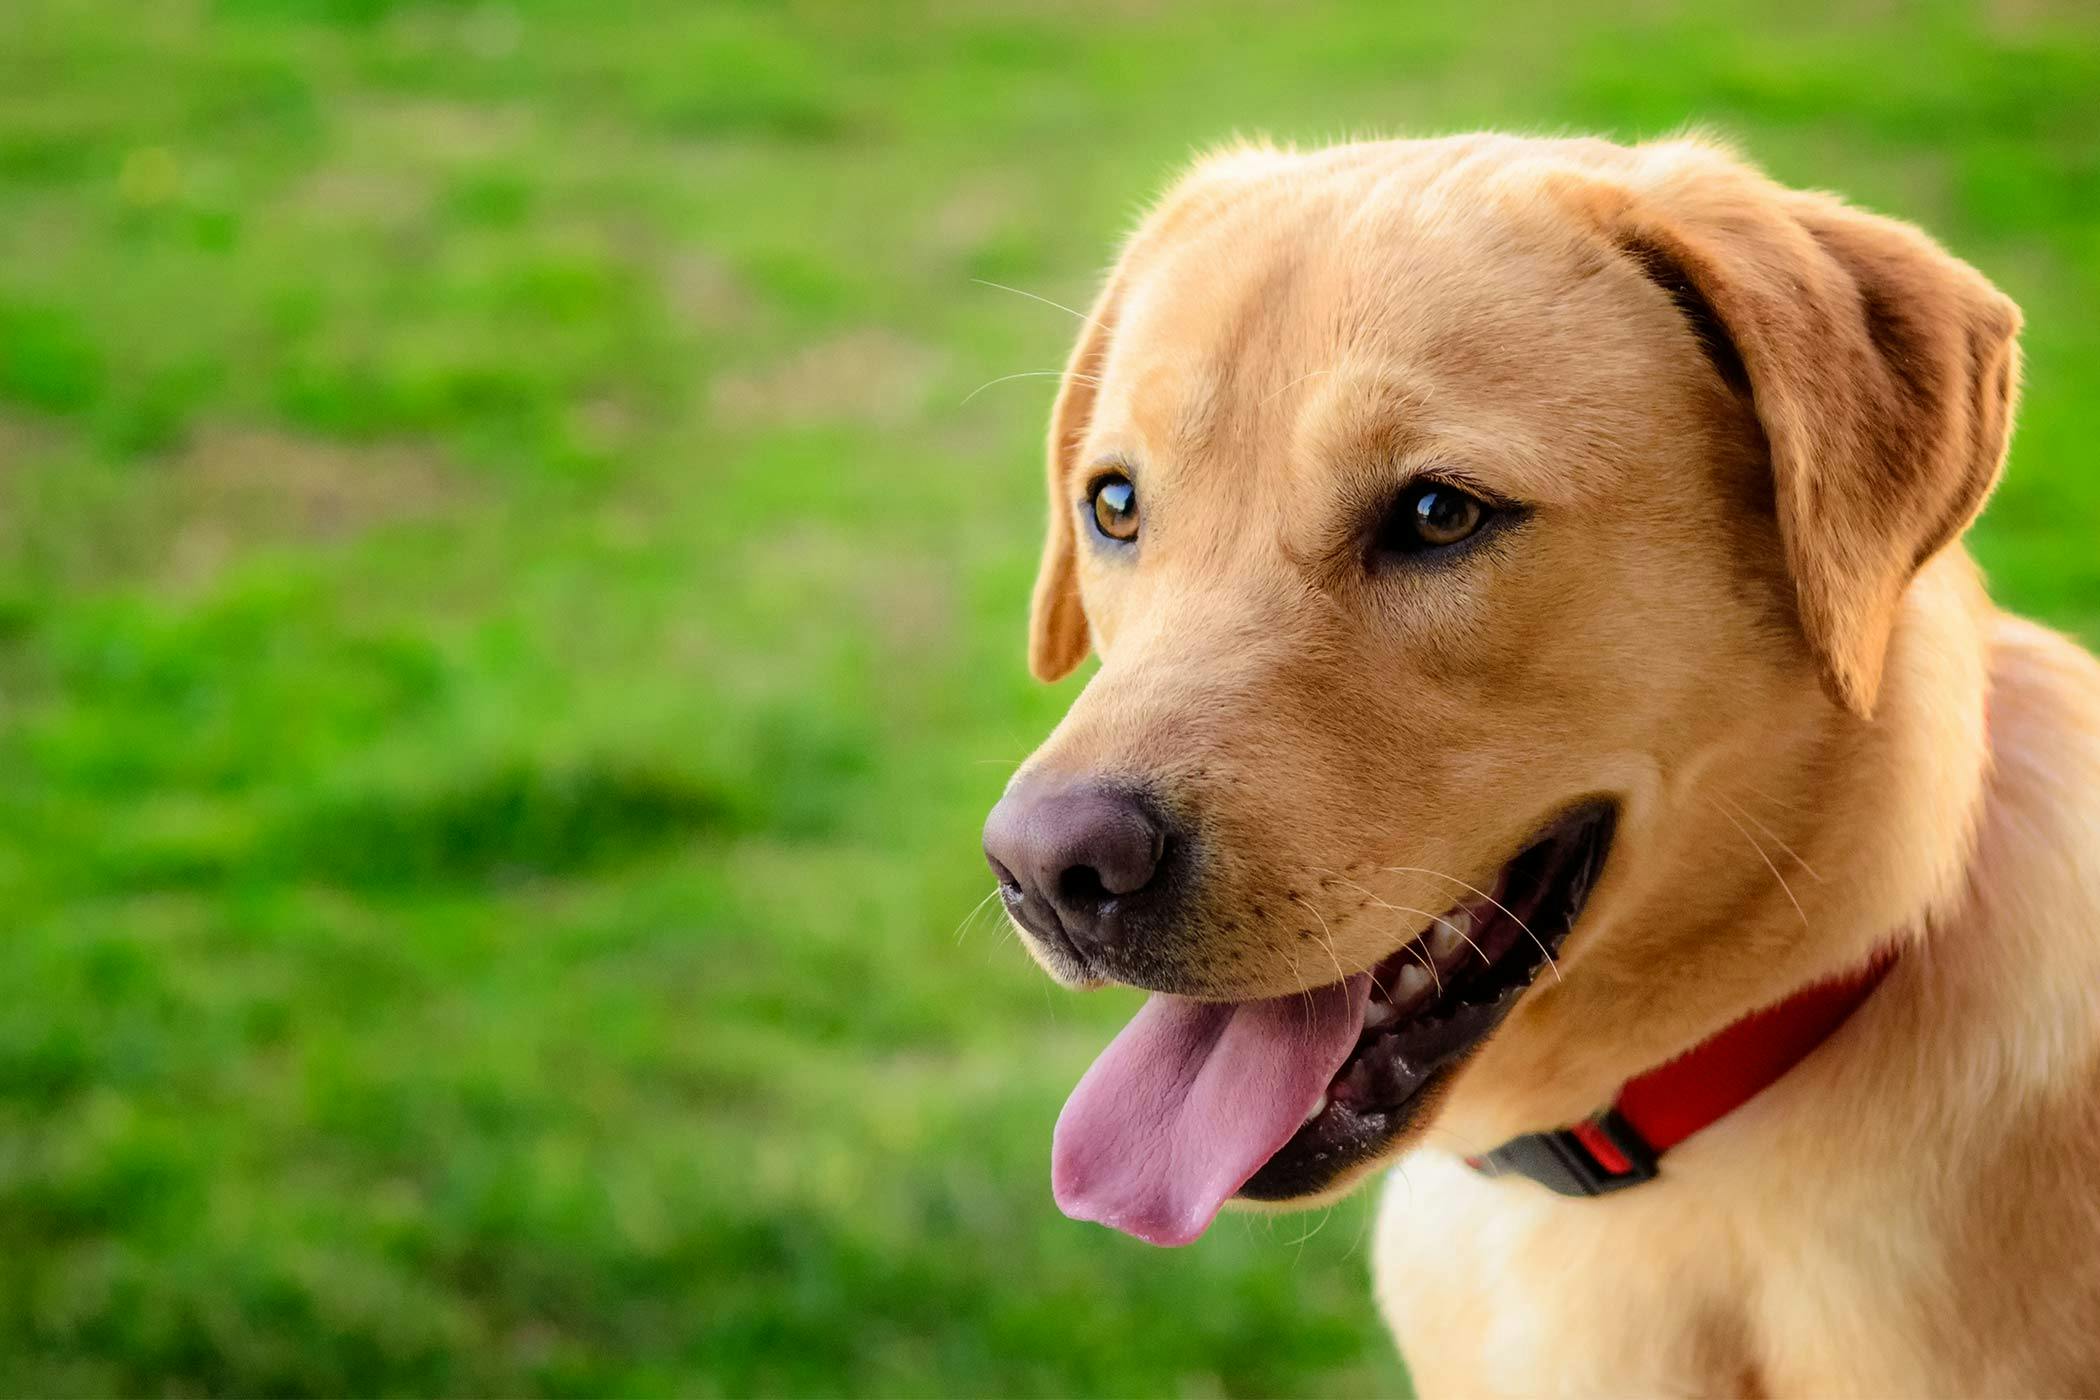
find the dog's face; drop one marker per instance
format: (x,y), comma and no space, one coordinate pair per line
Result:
(1432,509)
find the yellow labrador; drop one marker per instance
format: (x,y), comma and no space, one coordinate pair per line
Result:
(1549,737)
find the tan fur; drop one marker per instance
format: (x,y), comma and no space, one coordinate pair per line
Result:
(1752,424)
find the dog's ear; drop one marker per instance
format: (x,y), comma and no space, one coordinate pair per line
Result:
(1881,368)
(1057,630)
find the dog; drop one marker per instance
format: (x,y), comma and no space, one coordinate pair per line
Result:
(1551,750)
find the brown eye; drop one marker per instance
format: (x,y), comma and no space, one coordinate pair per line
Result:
(1430,516)
(1114,502)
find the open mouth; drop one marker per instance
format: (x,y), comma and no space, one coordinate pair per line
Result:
(1196,1102)
(1433,1002)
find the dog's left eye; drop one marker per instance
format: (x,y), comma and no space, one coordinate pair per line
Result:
(1113,500)
(1431,515)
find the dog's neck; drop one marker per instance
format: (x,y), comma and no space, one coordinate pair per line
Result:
(1768,862)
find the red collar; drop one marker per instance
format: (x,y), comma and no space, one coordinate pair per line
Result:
(1669,1103)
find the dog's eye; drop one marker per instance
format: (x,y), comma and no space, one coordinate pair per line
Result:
(1114,502)
(1431,515)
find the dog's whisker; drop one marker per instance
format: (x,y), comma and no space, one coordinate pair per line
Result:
(1460,1145)
(1447,923)
(963,925)
(1783,885)
(1423,870)
(1309,374)
(1327,940)
(1411,947)
(997,916)
(1011,765)
(1428,963)
(1400,1170)
(1026,374)
(1058,305)
(1746,815)
(962,929)
(1767,798)
(1325,1216)
(1363,1225)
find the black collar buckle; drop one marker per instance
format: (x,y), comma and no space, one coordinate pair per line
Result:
(1562,1162)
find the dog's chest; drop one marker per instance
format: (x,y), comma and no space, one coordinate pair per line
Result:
(1499,1288)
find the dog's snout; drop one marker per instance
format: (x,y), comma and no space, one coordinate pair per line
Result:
(1068,860)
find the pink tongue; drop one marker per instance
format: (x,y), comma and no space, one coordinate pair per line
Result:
(1190,1100)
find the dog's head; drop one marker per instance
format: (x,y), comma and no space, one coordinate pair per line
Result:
(1460,525)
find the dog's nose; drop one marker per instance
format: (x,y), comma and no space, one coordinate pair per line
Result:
(1075,855)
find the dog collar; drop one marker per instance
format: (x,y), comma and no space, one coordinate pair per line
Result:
(1654,1112)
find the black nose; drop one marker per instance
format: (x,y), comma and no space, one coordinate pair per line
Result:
(1068,859)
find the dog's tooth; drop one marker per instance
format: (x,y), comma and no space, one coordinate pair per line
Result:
(1317,1109)
(1410,986)
(1449,934)
(1378,1013)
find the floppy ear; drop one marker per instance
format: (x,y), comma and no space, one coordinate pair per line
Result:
(1057,631)
(1881,368)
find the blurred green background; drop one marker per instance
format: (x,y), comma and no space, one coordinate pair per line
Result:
(510,617)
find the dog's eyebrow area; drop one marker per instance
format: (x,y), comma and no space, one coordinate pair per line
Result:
(1363,442)
(1364,412)
(1380,439)
(1345,414)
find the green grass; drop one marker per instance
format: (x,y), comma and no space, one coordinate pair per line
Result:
(508,627)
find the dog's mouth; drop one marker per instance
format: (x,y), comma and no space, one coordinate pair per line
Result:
(1196,1102)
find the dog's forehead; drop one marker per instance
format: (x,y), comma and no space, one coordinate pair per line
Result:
(1309,323)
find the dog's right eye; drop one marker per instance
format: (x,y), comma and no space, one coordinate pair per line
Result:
(1113,500)
(1432,516)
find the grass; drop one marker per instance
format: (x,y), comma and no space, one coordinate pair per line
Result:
(508,627)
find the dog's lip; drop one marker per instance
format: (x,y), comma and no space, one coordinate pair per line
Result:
(1038,916)
(1513,931)
(1060,956)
